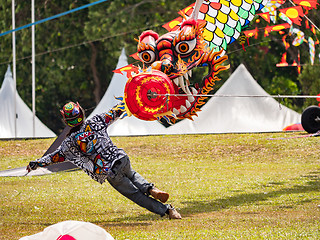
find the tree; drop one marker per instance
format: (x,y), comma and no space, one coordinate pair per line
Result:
(310,82)
(60,75)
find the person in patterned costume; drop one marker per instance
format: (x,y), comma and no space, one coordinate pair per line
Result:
(89,147)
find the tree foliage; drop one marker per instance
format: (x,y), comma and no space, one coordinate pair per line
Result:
(310,82)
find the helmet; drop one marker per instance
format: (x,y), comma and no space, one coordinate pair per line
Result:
(73,114)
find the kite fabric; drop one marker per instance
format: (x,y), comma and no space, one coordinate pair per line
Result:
(224,20)
(311,50)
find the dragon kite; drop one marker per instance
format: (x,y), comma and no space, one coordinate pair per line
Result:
(163,89)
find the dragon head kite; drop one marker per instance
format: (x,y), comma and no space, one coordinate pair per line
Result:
(163,89)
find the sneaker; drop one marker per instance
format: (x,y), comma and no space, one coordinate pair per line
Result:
(173,213)
(159,195)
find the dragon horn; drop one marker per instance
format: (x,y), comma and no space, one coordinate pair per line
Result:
(196,9)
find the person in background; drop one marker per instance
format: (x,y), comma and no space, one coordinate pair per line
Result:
(89,147)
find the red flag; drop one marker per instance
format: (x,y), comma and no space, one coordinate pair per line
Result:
(265,16)
(283,62)
(187,11)
(277,28)
(173,25)
(306,3)
(251,33)
(294,13)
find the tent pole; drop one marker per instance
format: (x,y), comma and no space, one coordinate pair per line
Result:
(14,67)
(33,69)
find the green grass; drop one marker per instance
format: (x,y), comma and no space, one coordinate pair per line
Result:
(226,186)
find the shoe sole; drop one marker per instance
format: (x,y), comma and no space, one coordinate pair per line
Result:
(174,215)
(163,197)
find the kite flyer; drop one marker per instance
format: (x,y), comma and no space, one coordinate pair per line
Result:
(89,147)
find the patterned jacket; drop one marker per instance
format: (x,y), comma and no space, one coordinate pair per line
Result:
(89,148)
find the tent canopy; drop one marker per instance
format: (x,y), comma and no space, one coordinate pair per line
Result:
(239,114)
(23,115)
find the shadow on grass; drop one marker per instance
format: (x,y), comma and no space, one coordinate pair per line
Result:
(205,206)
(192,207)
(141,220)
(107,225)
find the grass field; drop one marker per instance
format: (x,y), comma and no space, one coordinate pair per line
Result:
(226,186)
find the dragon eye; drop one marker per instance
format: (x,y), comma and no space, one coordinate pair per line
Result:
(185,47)
(147,56)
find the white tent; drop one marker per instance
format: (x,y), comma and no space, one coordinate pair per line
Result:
(128,126)
(239,114)
(24,116)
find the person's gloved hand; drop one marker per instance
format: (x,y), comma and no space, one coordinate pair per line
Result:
(33,165)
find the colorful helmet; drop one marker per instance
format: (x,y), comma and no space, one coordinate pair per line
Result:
(73,114)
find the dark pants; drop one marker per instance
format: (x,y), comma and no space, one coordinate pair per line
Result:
(133,186)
